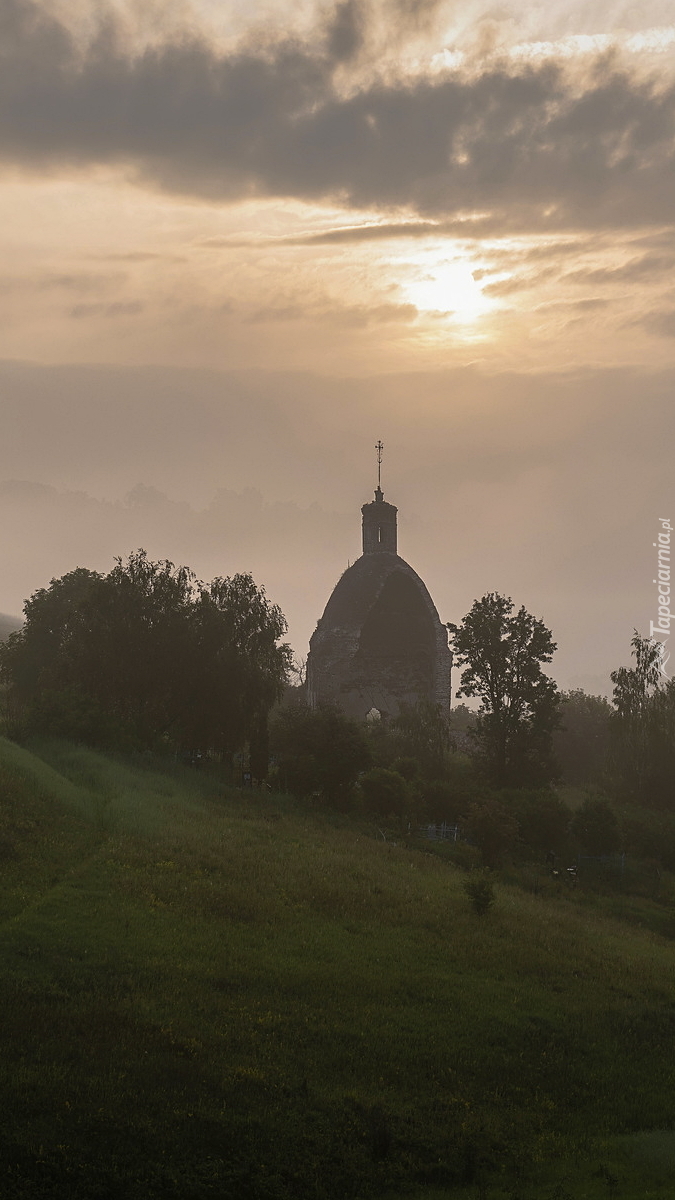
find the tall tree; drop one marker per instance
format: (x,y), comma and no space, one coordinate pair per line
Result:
(147,655)
(501,653)
(643,726)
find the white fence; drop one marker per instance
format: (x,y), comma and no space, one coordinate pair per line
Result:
(440,833)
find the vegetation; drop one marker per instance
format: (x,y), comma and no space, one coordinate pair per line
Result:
(481,893)
(501,653)
(217,993)
(318,752)
(581,743)
(644,728)
(146,656)
(212,993)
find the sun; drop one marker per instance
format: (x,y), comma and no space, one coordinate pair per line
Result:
(449,288)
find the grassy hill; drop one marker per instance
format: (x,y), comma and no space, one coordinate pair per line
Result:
(214,994)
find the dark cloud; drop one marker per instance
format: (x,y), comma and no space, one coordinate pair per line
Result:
(345,34)
(526,144)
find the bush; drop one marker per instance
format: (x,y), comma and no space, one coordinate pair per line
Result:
(596,827)
(386,793)
(493,828)
(319,750)
(543,819)
(481,893)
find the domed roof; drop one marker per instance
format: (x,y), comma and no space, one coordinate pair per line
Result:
(380,641)
(359,587)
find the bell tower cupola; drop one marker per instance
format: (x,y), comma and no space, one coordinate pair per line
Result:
(379,518)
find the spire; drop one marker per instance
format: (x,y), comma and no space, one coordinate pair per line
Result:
(379,494)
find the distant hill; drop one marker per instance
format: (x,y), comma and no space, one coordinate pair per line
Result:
(8,625)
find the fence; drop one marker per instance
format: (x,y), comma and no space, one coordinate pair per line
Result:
(440,833)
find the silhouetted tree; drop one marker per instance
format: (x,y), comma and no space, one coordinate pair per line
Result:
(146,655)
(643,727)
(501,653)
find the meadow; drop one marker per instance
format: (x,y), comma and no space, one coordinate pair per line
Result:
(209,992)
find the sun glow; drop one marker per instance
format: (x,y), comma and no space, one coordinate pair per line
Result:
(449,288)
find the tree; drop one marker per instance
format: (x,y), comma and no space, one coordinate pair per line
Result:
(502,654)
(643,727)
(319,750)
(146,655)
(492,827)
(581,743)
(422,731)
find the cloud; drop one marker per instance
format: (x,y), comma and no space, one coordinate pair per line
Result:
(347,315)
(119,309)
(637,268)
(524,143)
(660,323)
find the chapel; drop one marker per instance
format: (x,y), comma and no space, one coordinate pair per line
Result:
(380,641)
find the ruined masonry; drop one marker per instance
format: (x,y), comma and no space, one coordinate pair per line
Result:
(380,640)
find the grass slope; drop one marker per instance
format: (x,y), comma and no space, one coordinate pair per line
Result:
(210,994)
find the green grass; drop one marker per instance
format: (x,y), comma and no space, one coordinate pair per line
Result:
(208,993)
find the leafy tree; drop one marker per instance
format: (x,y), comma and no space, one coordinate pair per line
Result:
(319,750)
(643,727)
(422,731)
(581,743)
(501,653)
(146,655)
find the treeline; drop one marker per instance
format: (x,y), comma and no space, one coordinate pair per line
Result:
(496,771)
(147,657)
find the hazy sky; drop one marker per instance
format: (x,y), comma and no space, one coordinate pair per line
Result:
(243,241)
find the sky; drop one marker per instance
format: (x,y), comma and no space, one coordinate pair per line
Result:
(240,243)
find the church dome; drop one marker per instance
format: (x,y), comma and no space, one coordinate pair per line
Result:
(380,641)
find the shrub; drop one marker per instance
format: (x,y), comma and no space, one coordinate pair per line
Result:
(543,819)
(319,750)
(596,827)
(481,893)
(493,828)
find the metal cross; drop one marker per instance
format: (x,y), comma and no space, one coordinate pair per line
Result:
(379,447)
